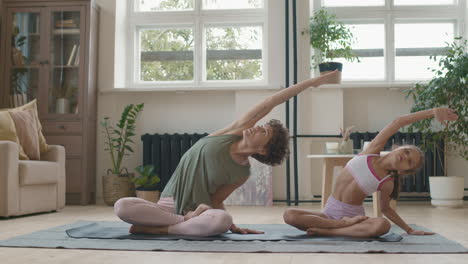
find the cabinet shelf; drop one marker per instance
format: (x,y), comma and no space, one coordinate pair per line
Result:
(67,31)
(34,66)
(66,66)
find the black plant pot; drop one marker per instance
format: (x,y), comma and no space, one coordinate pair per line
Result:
(331,66)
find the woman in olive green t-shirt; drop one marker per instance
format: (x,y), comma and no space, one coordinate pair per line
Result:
(192,201)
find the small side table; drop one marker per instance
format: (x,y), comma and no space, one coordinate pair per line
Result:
(330,161)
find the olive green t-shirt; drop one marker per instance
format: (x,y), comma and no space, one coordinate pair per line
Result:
(204,168)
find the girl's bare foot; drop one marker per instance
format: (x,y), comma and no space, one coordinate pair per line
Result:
(313,231)
(349,221)
(135,229)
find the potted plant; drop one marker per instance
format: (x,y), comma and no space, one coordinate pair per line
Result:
(147,183)
(448,88)
(331,39)
(117,183)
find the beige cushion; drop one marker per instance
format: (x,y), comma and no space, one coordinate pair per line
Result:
(26,131)
(33,172)
(43,147)
(8,132)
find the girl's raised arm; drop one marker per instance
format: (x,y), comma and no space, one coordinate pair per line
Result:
(441,114)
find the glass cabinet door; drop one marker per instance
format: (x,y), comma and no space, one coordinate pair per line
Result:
(65,53)
(23,68)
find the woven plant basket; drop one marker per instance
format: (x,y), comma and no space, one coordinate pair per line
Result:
(117,186)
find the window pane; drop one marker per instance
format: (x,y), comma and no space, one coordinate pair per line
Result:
(414,68)
(414,44)
(230,4)
(166,54)
(353,2)
(164,5)
(423,2)
(234,53)
(367,70)
(369,46)
(423,35)
(367,36)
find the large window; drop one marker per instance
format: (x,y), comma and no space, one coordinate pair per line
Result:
(395,38)
(197,43)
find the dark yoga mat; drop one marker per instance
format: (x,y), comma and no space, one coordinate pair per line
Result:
(275,232)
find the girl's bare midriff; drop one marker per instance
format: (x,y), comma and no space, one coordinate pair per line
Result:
(347,190)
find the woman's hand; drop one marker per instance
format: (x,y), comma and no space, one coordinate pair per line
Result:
(326,78)
(443,115)
(200,209)
(418,232)
(238,230)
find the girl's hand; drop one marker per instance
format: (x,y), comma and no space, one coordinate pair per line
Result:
(445,114)
(419,232)
(238,230)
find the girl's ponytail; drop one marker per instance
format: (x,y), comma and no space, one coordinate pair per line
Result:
(396,185)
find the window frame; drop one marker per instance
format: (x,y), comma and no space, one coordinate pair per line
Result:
(391,15)
(197,19)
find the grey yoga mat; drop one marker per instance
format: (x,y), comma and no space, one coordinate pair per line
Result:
(57,238)
(276,232)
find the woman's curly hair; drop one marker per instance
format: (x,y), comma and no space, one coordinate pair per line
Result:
(278,147)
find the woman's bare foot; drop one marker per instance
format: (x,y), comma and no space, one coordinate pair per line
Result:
(349,221)
(134,229)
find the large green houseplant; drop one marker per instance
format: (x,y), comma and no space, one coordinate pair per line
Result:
(117,183)
(331,39)
(448,88)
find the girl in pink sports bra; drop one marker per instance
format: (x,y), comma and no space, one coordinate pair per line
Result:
(363,175)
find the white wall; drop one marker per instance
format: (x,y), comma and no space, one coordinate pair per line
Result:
(320,112)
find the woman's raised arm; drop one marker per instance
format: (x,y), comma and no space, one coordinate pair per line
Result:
(261,109)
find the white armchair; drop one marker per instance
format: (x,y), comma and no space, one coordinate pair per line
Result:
(31,186)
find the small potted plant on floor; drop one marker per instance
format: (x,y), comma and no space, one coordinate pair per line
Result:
(117,183)
(331,39)
(147,183)
(448,88)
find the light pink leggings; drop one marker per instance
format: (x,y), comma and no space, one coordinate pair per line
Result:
(137,211)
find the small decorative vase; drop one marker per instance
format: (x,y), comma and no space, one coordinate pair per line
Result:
(62,106)
(346,147)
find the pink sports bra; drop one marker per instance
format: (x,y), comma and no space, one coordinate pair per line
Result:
(361,169)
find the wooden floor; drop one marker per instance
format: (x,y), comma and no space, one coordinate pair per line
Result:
(451,223)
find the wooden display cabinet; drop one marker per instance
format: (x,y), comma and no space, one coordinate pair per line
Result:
(48,53)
